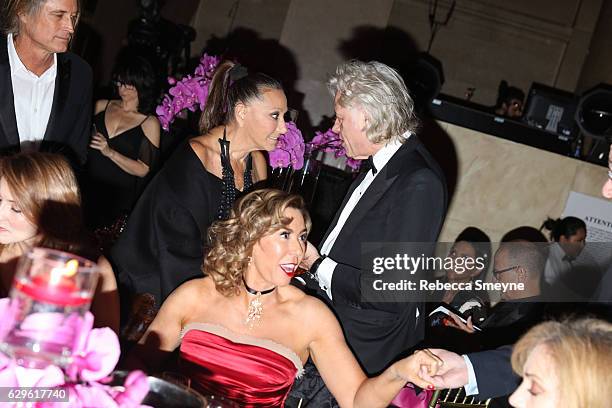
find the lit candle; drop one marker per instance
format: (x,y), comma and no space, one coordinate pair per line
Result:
(58,286)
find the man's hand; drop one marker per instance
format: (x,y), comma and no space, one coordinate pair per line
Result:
(310,256)
(453,372)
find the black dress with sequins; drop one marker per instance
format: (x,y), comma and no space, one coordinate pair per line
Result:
(162,244)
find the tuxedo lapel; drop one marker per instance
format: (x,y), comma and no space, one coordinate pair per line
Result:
(369,199)
(386,177)
(8,121)
(352,188)
(60,95)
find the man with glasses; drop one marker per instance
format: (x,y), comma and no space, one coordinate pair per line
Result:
(518,265)
(489,373)
(519,262)
(45,91)
(521,306)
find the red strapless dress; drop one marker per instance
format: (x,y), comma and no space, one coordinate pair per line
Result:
(249,371)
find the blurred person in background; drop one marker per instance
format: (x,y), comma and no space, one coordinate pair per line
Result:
(45,91)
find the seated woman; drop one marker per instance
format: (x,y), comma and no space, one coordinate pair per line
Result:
(125,149)
(40,205)
(162,245)
(568,235)
(564,364)
(471,243)
(244,332)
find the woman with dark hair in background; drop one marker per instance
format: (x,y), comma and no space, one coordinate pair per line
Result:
(162,245)
(472,248)
(124,149)
(471,243)
(509,101)
(568,235)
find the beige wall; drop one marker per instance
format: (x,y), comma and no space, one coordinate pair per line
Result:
(502,185)
(219,17)
(314,36)
(521,41)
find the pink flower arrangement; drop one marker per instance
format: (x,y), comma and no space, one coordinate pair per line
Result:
(289,149)
(330,142)
(191,93)
(95,354)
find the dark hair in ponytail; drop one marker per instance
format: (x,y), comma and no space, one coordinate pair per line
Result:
(224,95)
(567,227)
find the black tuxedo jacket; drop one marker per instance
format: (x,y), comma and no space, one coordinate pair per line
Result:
(406,202)
(494,375)
(68,129)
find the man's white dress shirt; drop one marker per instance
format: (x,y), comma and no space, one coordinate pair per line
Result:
(32,96)
(381,158)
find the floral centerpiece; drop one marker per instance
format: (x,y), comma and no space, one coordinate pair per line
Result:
(191,93)
(289,150)
(330,142)
(86,381)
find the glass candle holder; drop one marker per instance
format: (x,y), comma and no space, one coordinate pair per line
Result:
(51,292)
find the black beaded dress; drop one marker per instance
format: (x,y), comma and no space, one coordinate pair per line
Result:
(163,242)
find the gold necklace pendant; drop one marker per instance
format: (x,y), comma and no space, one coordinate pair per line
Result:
(254,312)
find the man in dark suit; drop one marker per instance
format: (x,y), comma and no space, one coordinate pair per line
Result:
(401,198)
(487,374)
(45,91)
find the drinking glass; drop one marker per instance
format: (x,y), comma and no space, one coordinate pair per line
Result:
(306,179)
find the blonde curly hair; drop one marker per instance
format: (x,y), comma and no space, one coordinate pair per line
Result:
(231,241)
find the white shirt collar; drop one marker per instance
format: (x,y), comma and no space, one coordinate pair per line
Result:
(382,157)
(18,66)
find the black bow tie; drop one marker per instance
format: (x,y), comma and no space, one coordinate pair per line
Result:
(568,259)
(368,164)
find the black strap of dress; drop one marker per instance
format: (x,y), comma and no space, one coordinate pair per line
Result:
(229,192)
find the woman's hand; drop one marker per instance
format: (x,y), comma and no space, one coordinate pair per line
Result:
(422,364)
(100,143)
(458,324)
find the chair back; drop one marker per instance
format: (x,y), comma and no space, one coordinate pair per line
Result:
(456,398)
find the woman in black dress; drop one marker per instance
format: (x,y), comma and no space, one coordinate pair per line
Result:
(162,245)
(124,149)
(470,243)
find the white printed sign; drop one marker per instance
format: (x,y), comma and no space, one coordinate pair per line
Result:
(597,214)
